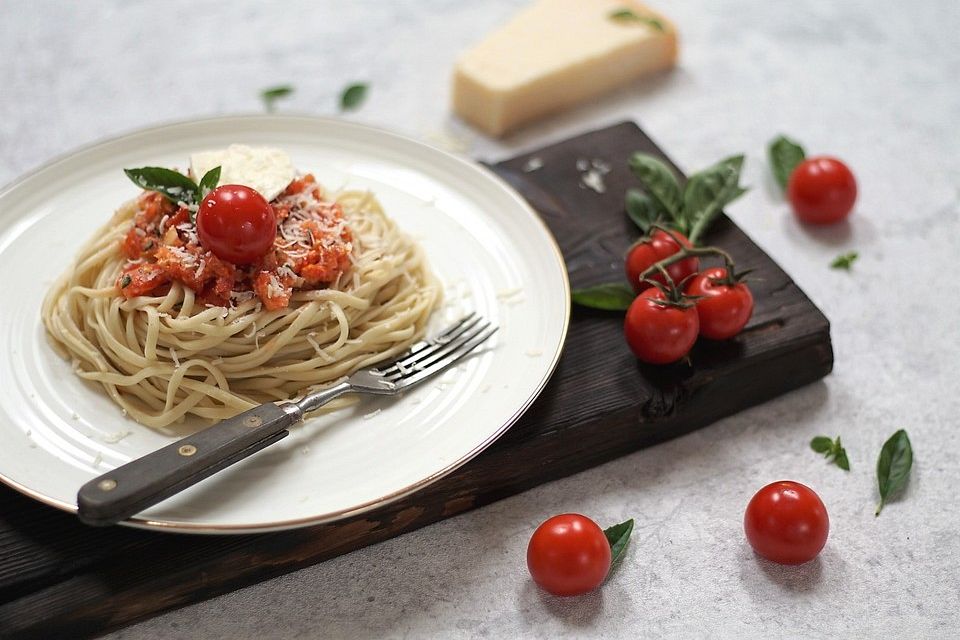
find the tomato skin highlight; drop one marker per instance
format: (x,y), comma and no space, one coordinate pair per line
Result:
(723,310)
(568,555)
(822,190)
(659,334)
(786,522)
(236,223)
(658,246)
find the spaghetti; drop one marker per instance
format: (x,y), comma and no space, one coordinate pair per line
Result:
(174,351)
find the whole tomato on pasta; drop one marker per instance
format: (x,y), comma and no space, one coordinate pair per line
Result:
(236,223)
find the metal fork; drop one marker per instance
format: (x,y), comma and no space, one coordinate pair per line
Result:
(144,482)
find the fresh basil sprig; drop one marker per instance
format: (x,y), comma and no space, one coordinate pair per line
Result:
(272,94)
(690,210)
(618,535)
(832,450)
(609,297)
(628,15)
(353,96)
(173,185)
(785,155)
(893,466)
(709,191)
(845,260)
(643,210)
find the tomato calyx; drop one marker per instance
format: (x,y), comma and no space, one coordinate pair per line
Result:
(673,292)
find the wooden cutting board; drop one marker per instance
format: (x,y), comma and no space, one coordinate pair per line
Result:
(59,578)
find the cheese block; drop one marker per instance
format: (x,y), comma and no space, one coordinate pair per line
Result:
(558,53)
(266,170)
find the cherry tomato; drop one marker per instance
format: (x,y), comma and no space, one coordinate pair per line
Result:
(658,333)
(568,555)
(786,522)
(658,246)
(236,223)
(822,190)
(724,306)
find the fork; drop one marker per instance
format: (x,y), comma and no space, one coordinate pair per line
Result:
(144,482)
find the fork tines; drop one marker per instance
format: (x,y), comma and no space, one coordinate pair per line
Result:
(434,355)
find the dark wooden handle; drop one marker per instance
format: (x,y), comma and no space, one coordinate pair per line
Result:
(144,482)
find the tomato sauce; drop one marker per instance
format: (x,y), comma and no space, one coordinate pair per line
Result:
(311,249)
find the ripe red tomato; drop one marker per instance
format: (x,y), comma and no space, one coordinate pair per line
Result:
(568,555)
(822,190)
(236,223)
(658,333)
(724,306)
(660,245)
(786,522)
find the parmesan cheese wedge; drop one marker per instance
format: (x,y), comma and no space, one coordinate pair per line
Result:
(558,53)
(266,170)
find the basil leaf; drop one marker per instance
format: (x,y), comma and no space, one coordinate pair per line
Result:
(627,15)
(893,466)
(271,95)
(173,185)
(840,459)
(618,535)
(845,260)
(708,192)
(209,181)
(821,444)
(642,209)
(353,96)
(785,155)
(609,297)
(660,183)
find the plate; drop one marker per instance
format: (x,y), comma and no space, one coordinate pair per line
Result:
(491,251)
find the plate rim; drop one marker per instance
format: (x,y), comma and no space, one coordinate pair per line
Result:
(325,518)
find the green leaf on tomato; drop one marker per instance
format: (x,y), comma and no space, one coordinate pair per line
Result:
(209,181)
(353,96)
(618,536)
(608,297)
(785,155)
(172,185)
(708,192)
(643,210)
(661,184)
(893,466)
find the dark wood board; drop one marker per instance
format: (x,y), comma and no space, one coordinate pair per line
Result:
(59,578)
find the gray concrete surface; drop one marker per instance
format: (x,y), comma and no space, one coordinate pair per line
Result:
(875,82)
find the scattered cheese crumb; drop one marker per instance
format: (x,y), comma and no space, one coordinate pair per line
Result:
(506,294)
(97,460)
(533,353)
(593,179)
(372,414)
(485,388)
(117,436)
(533,164)
(305,450)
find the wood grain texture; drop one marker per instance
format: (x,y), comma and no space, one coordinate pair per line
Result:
(59,578)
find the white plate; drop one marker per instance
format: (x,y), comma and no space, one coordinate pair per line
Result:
(490,249)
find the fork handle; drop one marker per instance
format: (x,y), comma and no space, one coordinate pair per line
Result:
(144,482)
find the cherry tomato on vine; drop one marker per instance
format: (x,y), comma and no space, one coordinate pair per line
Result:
(568,555)
(236,223)
(660,333)
(725,305)
(658,246)
(822,190)
(787,523)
